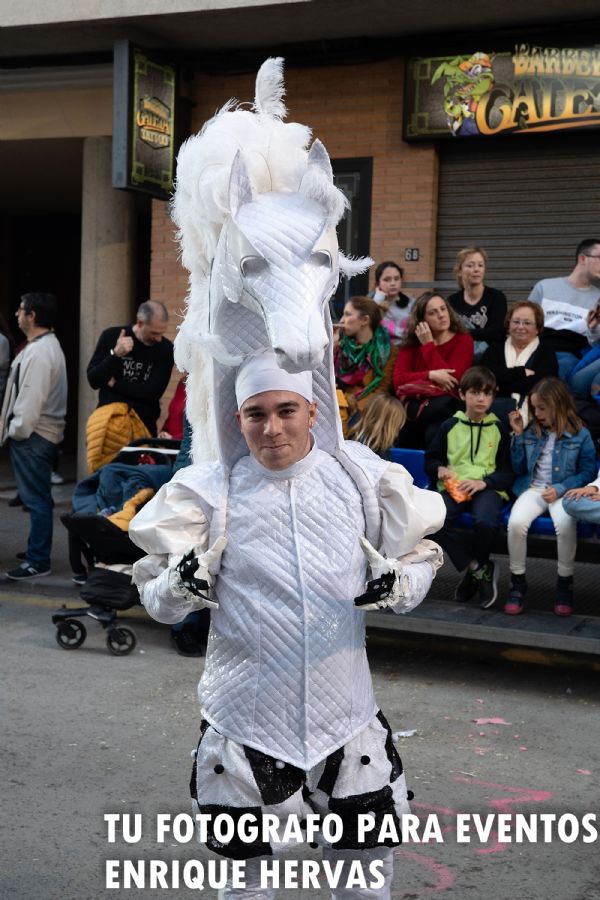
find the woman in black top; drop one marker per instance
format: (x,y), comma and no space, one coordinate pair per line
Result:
(481,308)
(521,360)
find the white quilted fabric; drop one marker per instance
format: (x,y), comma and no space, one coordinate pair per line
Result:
(286,669)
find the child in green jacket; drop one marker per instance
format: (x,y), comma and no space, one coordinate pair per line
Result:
(469,460)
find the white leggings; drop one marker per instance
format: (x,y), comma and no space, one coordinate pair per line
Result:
(254,891)
(527,508)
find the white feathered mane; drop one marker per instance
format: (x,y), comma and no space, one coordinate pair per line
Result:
(274,159)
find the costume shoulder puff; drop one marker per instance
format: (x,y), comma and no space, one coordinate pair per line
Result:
(408,513)
(178,515)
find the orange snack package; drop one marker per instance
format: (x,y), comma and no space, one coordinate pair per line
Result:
(452,486)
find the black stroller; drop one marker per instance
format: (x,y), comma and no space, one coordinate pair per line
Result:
(110,554)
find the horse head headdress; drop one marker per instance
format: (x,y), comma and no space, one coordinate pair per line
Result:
(256,212)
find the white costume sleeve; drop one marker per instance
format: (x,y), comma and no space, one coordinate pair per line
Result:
(169,526)
(409,513)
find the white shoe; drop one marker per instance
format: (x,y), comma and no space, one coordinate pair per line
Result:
(55,478)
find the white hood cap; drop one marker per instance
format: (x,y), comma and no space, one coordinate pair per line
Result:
(261,373)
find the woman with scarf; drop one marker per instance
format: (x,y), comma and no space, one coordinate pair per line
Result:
(363,356)
(521,360)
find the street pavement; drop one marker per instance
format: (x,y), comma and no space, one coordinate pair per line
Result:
(85,734)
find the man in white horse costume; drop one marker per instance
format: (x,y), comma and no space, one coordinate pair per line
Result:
(279,524)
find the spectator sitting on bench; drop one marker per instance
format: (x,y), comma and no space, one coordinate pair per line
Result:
(469,458)
(583,503)
(554,454)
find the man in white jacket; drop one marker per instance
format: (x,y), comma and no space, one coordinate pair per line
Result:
(278,549)
(33,422)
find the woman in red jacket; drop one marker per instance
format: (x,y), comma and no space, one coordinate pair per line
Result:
(435,353)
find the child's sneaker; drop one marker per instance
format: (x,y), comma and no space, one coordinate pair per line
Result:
(516,595)
(563,598)
(466,588)
(487,584)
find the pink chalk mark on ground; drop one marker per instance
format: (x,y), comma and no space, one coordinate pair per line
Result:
(504,804)
(583,771)
(443,877)
(491,720)
(422,809)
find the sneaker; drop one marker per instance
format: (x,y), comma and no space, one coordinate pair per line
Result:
(26,570)
(466,588)
(518,588)
(563,598)
(55,478)
(79,578)
(186,642)
(487,584)
(15,501)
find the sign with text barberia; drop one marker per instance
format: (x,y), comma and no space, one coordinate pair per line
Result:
(533,89)
(144,102)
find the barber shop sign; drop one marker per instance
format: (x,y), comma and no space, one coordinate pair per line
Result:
(533,89)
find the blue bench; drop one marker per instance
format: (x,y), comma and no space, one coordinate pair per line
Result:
(414,462)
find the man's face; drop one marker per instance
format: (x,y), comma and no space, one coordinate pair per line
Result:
(590,263)
(25,320)
(151,332)
(276,426)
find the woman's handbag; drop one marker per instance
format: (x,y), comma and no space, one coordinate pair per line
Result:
(415,395)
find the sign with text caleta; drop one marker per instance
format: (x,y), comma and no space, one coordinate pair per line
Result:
(153,123)
(533,89)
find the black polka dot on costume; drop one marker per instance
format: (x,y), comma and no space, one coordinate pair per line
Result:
(303,824)
(365,760)
(219,769)
(410,795)
(313,845)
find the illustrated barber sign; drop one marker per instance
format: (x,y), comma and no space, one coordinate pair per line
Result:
(533,89)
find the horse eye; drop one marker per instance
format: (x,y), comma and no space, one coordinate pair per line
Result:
(321,258)
(252,265)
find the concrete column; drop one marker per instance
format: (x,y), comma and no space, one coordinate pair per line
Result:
(108,230)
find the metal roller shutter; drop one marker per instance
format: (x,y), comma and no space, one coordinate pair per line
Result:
(527,201)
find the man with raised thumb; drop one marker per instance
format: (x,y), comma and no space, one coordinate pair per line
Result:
(133,364)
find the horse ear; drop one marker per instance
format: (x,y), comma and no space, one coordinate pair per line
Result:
(317,184)
(240,187)
(318,156)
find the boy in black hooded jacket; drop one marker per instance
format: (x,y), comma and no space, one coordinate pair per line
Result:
(469,461)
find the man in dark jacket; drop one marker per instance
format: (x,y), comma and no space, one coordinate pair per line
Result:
(132,364)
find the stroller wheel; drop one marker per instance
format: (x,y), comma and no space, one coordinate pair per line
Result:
(70,634)
(120,640)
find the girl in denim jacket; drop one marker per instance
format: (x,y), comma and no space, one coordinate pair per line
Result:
(552,455)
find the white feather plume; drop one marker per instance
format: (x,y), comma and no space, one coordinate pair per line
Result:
(270,89)
(353,265)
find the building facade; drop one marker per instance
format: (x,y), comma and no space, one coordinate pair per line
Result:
(442,132)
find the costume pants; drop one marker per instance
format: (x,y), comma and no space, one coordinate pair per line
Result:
(584,510)
(486,508)
(32,461)
(254,891)
(363,776)
(528,507)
